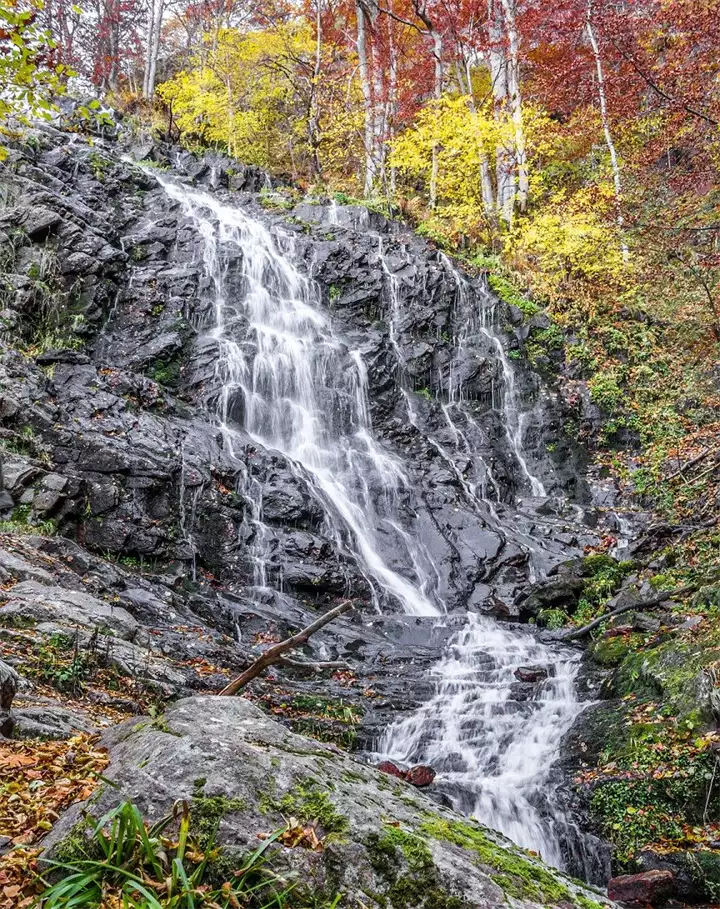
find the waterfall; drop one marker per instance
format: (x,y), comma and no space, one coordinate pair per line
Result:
(474,320)
(293,386)
(290,384)
(491,742)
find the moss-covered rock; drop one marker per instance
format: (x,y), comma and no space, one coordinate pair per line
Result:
(354,836)
(647,760)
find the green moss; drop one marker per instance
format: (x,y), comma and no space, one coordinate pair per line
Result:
(511,295)
(405,862)
(309,802)
(612,651)
(516,875)
(206,813)
(603,576)
(78,844)
(165,372)
(674,669)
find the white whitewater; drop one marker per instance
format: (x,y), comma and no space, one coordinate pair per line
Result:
(476,318)
(292,385)
(494,753)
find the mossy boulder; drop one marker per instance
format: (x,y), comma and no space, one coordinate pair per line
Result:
(381,843)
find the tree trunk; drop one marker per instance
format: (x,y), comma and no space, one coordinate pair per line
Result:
(513,69)
(379,119)
(367,98)
(605,118)
(392,104)
(314,106)
(159,8)
(504,169)
(149,49)
(486,185)
(437,93)
(112,13)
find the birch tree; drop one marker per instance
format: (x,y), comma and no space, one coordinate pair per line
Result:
(605,119)
(367,93)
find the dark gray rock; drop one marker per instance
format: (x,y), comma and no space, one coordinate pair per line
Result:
(38,222)
(9,681)
(49,722)
(35,603)
(531,673)
(559,592)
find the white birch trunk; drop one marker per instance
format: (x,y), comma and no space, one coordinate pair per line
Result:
(513,69)
(158,10)
(314,106)
(391,115)
(366,86)
(605,119)
(437,92)
(486,184)
(379,122)
(504,165)
(149,47)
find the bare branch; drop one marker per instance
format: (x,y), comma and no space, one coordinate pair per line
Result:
(660,91)
(642,604)
(275,653)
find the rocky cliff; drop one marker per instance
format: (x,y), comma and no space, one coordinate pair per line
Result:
(153,544)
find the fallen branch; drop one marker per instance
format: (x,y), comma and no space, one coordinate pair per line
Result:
(688,464)
(706,472)
(275,653)
(642,604)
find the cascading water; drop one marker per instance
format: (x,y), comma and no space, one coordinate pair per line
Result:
(493,744)
(290,384)
(293,386)
(474,320)
(492,751)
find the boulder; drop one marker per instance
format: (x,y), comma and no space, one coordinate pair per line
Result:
(559,592)
(38,222)
(647,888)
(392,769)
(531,673)
(224,755)
(50,722)
(33,602)
(15,566)
(420,775)
(9,682)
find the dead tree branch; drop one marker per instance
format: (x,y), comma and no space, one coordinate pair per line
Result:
(275,653)
(641,604)
(688,464)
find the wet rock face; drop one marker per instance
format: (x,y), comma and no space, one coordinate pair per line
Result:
(120,445)
(177,550)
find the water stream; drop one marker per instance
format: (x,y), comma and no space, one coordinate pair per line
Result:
(290,383)
(491,739)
